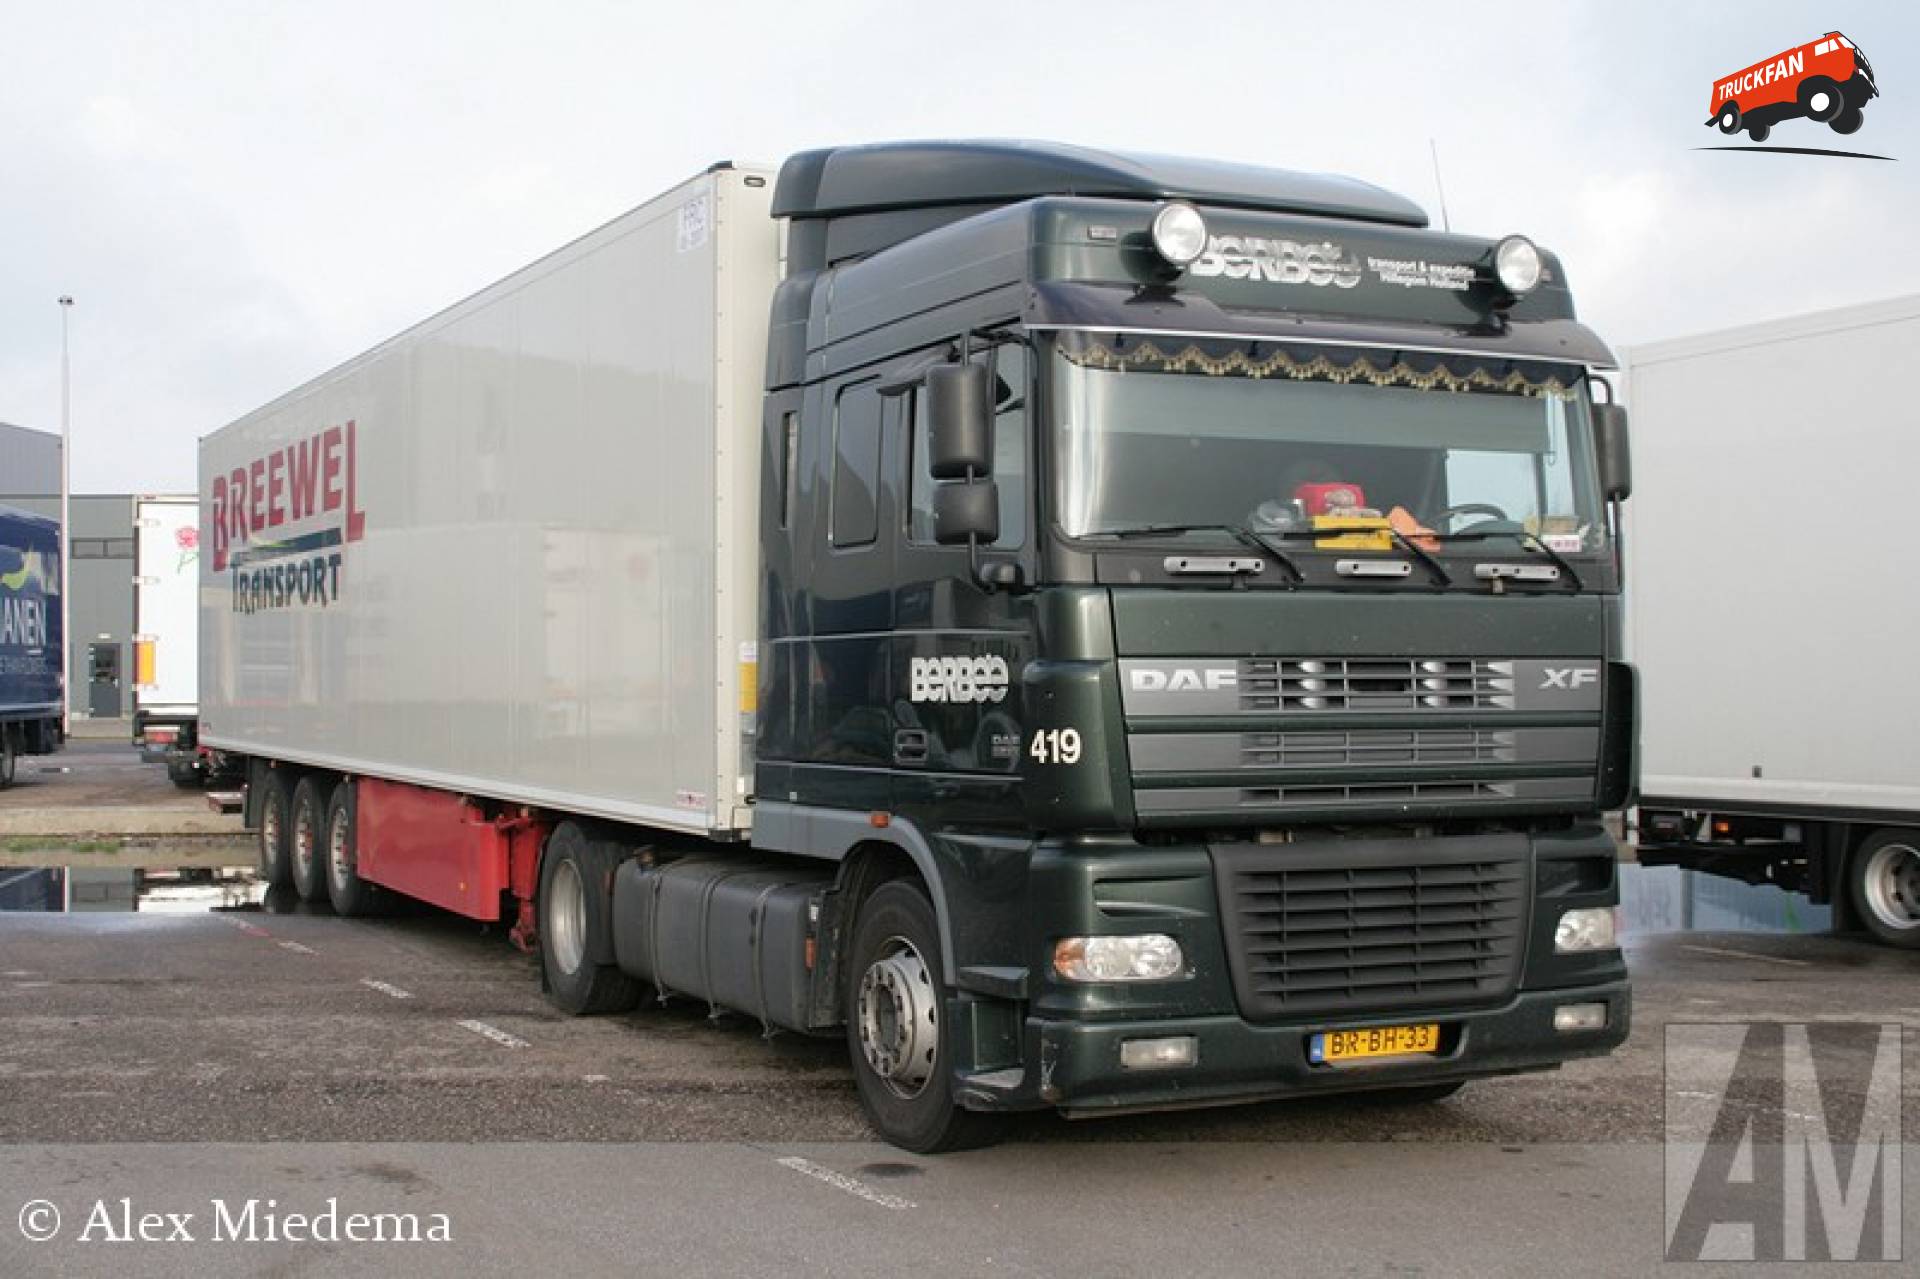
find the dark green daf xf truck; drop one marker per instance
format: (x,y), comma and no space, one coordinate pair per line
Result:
(1144,787)
(1178,659)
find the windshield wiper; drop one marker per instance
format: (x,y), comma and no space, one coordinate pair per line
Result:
(1253,541)
(1433,566)
(1525,538)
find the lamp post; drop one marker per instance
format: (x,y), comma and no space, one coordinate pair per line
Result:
(66,529)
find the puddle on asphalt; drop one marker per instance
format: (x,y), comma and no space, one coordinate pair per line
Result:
(1668,899)
(81,889)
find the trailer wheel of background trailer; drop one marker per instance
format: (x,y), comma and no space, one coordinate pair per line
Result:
(349,894)
(9,758)
(275,867)
(1884,878)
(306,837)
(896,1006)
(576,922)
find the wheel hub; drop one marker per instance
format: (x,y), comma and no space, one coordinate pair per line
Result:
(337,868)
(303,846)
(1893,885)
(900,1018)
(567,917)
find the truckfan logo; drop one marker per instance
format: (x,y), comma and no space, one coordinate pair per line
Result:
(1826,81)
(958,679)
(314,481)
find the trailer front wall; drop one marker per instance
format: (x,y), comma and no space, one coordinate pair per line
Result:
(484,556)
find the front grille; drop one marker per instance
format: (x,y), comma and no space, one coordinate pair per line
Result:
(1376,684)
(1372,926)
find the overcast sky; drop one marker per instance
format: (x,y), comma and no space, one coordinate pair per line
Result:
(240,195)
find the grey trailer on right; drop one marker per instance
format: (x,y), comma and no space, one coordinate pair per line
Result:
(1772,609)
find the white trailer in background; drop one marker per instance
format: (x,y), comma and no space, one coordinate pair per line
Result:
(1773,609)
(166,633)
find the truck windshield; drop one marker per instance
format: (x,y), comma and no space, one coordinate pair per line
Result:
(1179,432)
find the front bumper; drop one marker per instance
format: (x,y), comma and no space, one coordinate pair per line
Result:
(1239,1061)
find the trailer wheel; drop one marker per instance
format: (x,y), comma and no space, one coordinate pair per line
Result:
(9,760)
(275,867)
(575,882)
(351,895)
(902,1060)
(1820,98)
(306,838)
(1884,877)
(1729,120)
(1848,121)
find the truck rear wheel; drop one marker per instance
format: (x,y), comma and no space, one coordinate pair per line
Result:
(275,867)
(306,833)
(902,1060)
(575,916)
(1884,875)
(1729,118)
(350,894)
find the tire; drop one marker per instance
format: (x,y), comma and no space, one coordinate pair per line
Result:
(276,868)
(576,875)
(350,895)
(1826,93)
(1729,119)
(306,838)
(1883,879)
(9,757)
(185,776)
(1848,121)
(1759,132)
(895,1004)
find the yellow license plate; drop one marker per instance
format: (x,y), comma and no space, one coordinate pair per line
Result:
(1374,1041)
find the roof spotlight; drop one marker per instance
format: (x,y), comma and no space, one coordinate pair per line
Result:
(1517,264)
(1179,233)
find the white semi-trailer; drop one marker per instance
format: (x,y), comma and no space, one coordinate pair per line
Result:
(166,639)
(1099,632)
(1771,610)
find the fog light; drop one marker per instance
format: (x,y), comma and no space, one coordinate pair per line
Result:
(1580,1017)
(1160,1054)
(1179,233)
(1584,930)
(1516,264)
(1141,957)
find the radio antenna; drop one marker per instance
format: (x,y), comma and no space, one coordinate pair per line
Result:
(1446,223)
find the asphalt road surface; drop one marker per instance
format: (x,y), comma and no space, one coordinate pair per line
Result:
(304,1057)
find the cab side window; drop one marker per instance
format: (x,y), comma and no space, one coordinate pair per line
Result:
(1009,452)
(855,518)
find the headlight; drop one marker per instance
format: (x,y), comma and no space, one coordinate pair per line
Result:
(1142,957)
(1584,930)
(1179,233)
(1516,264)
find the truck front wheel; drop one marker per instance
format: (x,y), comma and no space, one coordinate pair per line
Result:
(275,867)
(1884,874)
(575,876)
(902,1057)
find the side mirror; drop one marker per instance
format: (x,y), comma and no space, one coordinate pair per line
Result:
(966,514)
(1610,447)
(959,421)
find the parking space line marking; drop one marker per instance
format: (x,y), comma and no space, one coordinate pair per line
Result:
(386,988)
(296,948)
(840,1181)
(1747,954)
(494,1033)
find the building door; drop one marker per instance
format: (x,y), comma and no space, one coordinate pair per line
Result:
(103,681)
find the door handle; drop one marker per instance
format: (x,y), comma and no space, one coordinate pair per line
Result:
(910,746)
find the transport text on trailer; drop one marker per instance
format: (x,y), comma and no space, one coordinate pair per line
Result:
(1102,633)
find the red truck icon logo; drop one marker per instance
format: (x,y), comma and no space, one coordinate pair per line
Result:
(1827,80)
